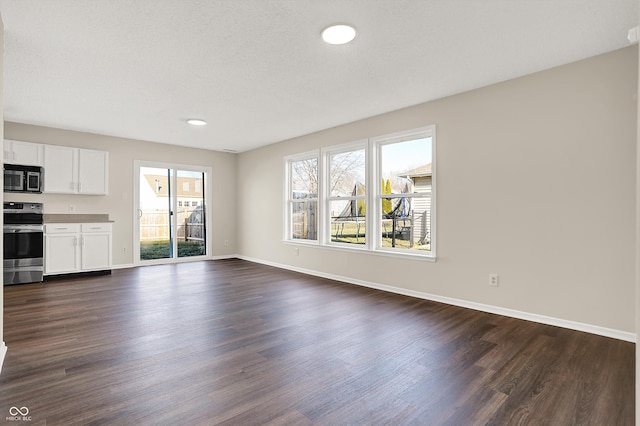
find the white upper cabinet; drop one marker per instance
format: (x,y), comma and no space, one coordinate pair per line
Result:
(75,170)
(24,153)
(60,169)
(93,172)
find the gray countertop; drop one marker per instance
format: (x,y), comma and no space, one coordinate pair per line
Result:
(76,218)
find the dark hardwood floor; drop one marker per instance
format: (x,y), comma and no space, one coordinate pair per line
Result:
(238,343)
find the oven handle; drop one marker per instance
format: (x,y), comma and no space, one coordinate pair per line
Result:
(10,229)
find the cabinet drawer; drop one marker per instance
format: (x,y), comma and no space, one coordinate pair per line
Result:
(61,228)
(95,227)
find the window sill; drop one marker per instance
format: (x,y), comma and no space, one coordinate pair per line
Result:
(363,250)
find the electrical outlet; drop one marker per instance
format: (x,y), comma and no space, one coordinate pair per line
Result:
(226,243)
(493,280)
(72,208)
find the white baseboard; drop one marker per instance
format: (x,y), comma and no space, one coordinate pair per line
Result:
(3,352)
(558,322)
(225,257)
(123,266)
(168,261)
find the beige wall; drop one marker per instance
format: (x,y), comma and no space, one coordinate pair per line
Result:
(119,203)
(536,182)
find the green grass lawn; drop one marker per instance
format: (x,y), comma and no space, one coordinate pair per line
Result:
(160,249)
(348,232)
(386,242)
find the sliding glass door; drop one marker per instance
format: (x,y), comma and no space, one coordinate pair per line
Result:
(171,214)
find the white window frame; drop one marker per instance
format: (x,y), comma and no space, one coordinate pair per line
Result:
(288,190)
(373,195)
(208,196)
(326,197)
(376,145)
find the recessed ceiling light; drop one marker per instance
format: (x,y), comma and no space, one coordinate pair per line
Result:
(196,122)
(339,34)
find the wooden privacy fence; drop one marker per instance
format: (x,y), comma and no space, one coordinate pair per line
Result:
(154,225)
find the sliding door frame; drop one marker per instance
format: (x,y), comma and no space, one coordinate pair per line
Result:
(208,196)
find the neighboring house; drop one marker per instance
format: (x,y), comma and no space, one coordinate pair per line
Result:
(421,177)
(154,194)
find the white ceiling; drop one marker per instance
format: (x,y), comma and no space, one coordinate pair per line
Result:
(258,71)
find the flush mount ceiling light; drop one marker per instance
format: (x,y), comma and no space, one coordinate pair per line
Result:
(339,34)
(196,122)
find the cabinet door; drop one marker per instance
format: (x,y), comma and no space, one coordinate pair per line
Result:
(7,153)
(96,251)
(25,153)
(93,172)
(60,169)
(61,254)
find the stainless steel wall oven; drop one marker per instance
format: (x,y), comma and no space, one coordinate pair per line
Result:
(23,243)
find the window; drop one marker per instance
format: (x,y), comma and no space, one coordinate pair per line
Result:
(347,196)
(302,198)
(376,195)
(404,191)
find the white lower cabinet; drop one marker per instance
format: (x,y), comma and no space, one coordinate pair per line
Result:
(76,247)
(61,250)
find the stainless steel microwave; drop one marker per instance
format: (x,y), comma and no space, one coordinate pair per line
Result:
(19,178)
